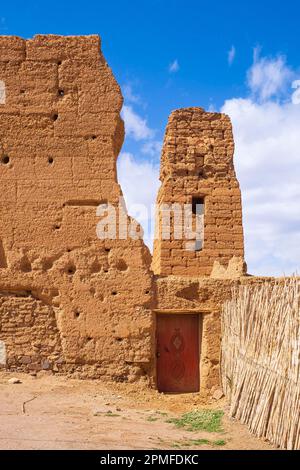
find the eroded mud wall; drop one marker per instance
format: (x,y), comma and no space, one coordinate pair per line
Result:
(60,135)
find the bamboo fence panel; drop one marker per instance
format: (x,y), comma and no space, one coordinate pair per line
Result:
(260,363)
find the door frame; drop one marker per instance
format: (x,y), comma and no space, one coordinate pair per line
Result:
(200,313)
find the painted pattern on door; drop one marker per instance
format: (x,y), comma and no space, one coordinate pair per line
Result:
(177,353)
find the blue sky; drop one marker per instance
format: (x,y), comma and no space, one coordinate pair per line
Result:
(141,38)
(240,57)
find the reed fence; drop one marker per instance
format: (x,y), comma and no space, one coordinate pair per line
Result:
(260,361)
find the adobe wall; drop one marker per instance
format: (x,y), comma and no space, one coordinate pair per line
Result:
(87,300)
(29,334)
(197,160)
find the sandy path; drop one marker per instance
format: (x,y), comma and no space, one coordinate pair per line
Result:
(63,413)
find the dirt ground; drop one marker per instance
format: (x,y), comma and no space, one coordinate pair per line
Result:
(54,412)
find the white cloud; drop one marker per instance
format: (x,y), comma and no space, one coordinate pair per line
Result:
(135,126)
(267,161)
(268,77)
(152,148)
(139,181)
(129,95)
(296,94)
(212,108)
(231,55)
(174,66)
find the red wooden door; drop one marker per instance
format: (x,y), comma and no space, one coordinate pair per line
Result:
(178,353)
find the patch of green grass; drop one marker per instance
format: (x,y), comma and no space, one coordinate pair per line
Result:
(112,415)
(175,446)
(203,420)
(200,442)
(219,442)
(162,413)
(197,442)
(152,418)
(192,442)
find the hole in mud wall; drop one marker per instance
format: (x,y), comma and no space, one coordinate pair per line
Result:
(198,210)
(76,314)
(71,269)
(61,92)
(50,160)
(54,117)
(56,227)
(121,265)
(198,205)
(114,292)
(5,159)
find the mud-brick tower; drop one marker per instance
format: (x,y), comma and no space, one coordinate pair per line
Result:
(197,169)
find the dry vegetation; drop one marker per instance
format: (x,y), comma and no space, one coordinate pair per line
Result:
(261,360)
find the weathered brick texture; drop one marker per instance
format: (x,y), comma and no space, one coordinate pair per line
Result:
(197,161)
(60,135)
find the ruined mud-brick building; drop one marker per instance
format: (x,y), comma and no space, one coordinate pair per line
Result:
(102,308)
